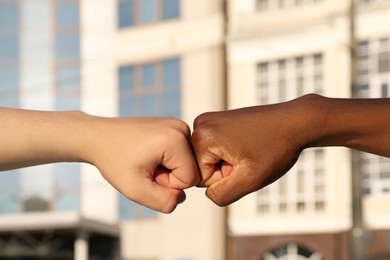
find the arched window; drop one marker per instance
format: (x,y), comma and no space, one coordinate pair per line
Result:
(291,252)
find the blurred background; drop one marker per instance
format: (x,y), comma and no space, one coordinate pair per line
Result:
(181,58)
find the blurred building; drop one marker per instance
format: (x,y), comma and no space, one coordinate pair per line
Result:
(282,49)
(108,58)
(181,58)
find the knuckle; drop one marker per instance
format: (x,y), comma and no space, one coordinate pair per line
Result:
(171,134)
(180,125)
(202,119)
(202,134)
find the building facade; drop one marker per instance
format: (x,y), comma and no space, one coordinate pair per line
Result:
(182,58)
(277,51)
(112,58)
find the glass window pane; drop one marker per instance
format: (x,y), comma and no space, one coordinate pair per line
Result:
(171,9)
(67,175)
(11,102)
(68,46)
(9,180)
(8,16)
(131,210)
(9,201)
(148,11)
(68,78)
(149,105)
(68,201)
(385,90)
(171,73)
(128,107)
(9,47)
(384,62)
(148,75)
(126,208)
(68,103)
(126,78)
(126,13)
(67,14)
(148,213)
(172,103)
(9,80)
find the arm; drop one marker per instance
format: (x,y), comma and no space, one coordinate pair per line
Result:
(243,150)
(149,160)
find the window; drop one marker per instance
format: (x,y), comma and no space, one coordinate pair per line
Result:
(269,5)
(304,190)
(67,50)
(150,89)
(284,79)
(68,88)
(135,12)
(67,186)
(65,183)
(373,82)
(291,251)
(9,53)
(9,192)
(366,2)
(301,191)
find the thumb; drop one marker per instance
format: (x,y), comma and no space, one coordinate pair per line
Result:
(161,198)
(239,181)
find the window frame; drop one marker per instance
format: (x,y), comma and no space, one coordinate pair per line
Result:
(136,20)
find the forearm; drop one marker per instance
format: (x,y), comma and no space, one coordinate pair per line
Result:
(362,124)
(36,137)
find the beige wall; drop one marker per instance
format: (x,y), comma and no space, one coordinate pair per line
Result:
(195,230)
(272,36)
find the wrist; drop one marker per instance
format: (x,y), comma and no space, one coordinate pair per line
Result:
(311,120)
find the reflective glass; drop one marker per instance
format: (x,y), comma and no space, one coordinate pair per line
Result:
(172,103)
(126,13)
(11,102)
(9,201)
(67,46)
(149,105)
(9,180)
(68,102)
(126,208)
(8,16)
(149,75)
(148,11)
(69,201)
(171,9)
(131,210)
(67,175)
(126,78)
(148,213)
(68,78)
(128,107)
(385,90)
(9,47)
(67,14)
(171,73)
(9,78)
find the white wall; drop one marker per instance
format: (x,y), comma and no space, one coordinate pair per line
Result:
(99,200)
